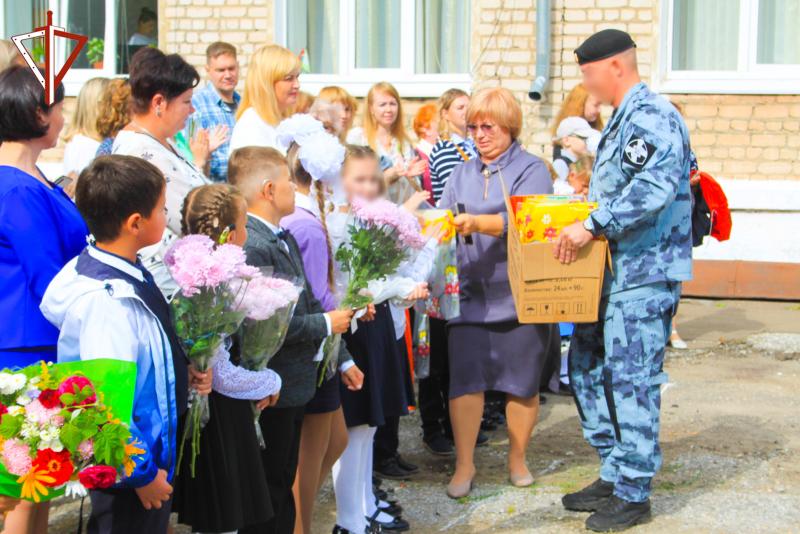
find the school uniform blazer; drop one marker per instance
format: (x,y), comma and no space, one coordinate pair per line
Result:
(308,328)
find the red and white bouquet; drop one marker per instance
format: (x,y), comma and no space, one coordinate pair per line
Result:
(268,304)
(205,310)
(58,434)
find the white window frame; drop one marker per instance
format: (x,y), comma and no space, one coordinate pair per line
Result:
(750,77)
(75,78)
(358,81)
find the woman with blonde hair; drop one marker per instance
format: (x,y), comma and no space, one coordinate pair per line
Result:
(579,103)
(113,113)
(337,95)
(9,55)
(453,146)
(270,95)
(82,137)
(384,131)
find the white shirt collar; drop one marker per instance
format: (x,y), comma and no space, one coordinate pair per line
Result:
(116,262)
(305,202)
(275,229)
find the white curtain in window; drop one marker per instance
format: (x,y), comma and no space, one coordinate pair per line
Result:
(705,34)
(442,36)
(84,17)
(313,25)
(378,34)
(778,38)
(21,16)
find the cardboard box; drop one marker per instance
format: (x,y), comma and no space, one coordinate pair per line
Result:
(547,291)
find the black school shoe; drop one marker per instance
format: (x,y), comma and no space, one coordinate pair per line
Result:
(393,509)
(482,439)
(408,466)
(590,498)
(439,445)
(371,529)
(617,514)
(397,524)
(391,469)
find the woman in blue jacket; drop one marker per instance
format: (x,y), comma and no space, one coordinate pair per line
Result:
(40,231)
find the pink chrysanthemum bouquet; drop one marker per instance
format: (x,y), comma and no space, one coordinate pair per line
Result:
(205,310)
(269,305)
(381,237)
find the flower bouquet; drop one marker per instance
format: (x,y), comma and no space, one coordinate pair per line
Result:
(205,310)
(63,428)
(443,302)
(381,237)
(268,305)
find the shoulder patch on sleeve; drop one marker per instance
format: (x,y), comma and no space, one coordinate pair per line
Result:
(638,152)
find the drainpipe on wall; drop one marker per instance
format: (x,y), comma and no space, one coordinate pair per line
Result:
(542,50)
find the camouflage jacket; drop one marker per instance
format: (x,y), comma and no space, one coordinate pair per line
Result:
(641,183)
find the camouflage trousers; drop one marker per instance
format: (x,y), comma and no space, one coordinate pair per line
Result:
(616,372)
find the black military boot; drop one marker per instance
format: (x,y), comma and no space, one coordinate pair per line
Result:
(590,498)
(616,515)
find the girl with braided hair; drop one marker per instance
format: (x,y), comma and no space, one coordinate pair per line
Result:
(228,491)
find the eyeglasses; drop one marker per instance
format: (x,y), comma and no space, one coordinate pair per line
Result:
(486,128)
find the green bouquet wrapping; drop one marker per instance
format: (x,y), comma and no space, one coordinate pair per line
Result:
(64,428)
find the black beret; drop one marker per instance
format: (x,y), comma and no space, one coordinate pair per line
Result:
(602,45)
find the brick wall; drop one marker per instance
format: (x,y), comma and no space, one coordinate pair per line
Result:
(189,26)
(734,136)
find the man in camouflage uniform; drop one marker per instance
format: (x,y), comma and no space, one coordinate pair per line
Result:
(641,183)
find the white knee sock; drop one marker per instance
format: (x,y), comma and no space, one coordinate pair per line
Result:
(348,479)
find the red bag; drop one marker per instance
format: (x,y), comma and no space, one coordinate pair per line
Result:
(717,204)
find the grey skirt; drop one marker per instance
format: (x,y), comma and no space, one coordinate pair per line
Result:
(507,357)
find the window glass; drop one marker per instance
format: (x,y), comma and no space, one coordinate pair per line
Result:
(442,43)
(778,38)
(313,26)
(377,34)
(705,35)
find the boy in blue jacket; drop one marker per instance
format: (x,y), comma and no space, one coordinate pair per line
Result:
(106,305)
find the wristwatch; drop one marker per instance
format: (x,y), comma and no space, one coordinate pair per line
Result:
(589,225)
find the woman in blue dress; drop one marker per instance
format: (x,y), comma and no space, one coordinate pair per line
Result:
(40,231)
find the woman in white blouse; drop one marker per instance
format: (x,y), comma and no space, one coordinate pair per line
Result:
(384,131)
(82,138)
(270,93)
(161,101)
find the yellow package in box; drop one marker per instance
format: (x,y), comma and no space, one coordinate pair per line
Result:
(542,217)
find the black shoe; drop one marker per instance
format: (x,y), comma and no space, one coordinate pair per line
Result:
(397,524)
(542,399)
(590,498)
(393,509)
(617,514)
(339,530)
(482,440)
(408,466)
(439,445)
(380,494)
(390,469)
(487,425)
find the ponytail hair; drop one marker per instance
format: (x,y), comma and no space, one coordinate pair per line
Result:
(211,210)
(300,176)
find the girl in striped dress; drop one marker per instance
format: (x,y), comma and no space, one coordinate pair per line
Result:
(453,146)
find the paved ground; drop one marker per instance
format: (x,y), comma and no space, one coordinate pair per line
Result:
(730,436)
